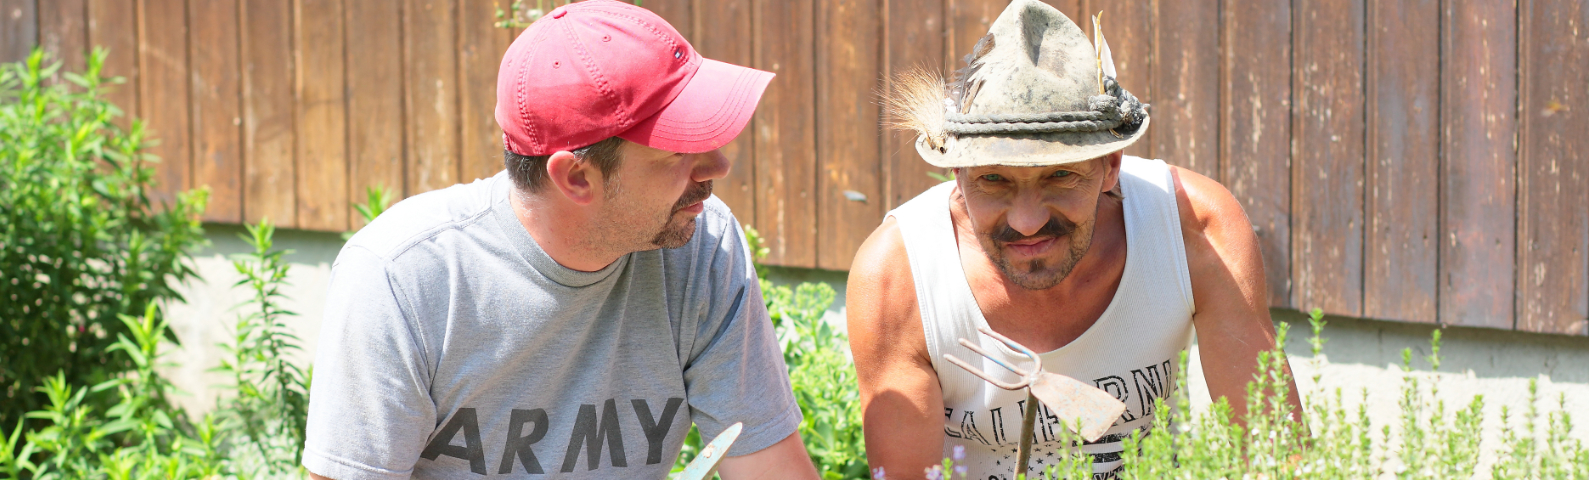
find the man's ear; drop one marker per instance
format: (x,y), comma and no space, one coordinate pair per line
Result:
(1112,176)
(572,177)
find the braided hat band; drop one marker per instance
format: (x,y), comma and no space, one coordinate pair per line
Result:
(1119,111)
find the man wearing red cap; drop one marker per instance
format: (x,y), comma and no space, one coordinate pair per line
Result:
(572,316)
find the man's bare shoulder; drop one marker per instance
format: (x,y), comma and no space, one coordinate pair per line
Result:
(881,312)
(1204,203)
(880,287)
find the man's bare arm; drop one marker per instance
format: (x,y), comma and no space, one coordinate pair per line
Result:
(901,401)
(786,459)
(1229,288)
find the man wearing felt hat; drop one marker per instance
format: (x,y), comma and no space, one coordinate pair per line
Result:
(575,314)
(1103,263)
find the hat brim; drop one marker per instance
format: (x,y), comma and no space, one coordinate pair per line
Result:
(709,111)
(1025,150)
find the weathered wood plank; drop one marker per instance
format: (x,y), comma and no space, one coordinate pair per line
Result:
(322,116)
(729,40)
(1478,128)
(786,132)
(1255,135)
(915,40)
(1185,130)
(849,186)
(268,132)
(431,99)
(1404,144)
(63,31)
(112,25)
(480,49)
(966,22)
(375,122)
(19,29)
(1552,281)
(217,87)
(1129,29)
(1328,156)
(677,13)
(163,91)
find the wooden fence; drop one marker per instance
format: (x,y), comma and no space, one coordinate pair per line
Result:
(1415,160)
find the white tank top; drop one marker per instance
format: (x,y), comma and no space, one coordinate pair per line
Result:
(1130,352)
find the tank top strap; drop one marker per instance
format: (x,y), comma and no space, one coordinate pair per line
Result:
(1156,229)
(943,296)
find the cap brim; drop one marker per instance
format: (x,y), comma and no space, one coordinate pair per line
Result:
(708,113)
(1025,150)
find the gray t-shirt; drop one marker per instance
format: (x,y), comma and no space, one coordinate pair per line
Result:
(454,347)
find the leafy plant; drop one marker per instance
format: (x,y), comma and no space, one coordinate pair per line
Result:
(257,432)
(376,201)
(271,403)
(142,436)
(81,242)
(942,177)
(1429,442)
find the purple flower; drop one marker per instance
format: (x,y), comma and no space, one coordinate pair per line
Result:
(877,473)
(935,472)
(960,470)
(959,453)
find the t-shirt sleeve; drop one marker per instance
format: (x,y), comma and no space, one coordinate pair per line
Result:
(737,372)
(370,412)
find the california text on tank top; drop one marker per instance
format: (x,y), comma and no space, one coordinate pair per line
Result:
(1130,352)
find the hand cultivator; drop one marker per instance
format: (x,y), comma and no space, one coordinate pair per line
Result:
(1078,405)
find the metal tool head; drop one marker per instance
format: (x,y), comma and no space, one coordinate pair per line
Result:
(706,463)
(1078,405)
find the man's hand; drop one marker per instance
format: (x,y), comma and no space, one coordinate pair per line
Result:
(786,459)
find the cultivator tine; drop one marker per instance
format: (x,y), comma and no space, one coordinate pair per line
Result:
(979,350)
(979,372)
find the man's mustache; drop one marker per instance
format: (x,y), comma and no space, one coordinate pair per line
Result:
(696,194)
(1056,227)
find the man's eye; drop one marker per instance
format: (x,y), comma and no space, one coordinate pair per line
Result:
(1062,174)
(992,177)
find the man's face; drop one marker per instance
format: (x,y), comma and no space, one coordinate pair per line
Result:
(654,196)
(1035,223)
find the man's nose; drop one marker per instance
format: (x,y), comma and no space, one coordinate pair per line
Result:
(709,166)
(1027,214)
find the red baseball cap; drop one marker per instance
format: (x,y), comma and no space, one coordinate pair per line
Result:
(591,70)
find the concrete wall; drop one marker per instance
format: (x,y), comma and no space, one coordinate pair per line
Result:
(1360,355)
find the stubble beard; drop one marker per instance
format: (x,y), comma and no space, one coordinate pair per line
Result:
(1039,274)
(677,230)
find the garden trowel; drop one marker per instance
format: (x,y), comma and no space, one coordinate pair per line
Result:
(706,463)
(1078,405)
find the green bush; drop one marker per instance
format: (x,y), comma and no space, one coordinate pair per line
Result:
(256,431)
(81,243)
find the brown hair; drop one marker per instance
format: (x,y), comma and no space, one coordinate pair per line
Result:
(529,173)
